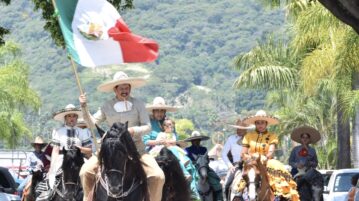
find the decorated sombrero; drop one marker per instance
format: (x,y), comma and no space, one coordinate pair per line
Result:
(160,104)
(312,132)
(121,78)
(261,115)
(196,136)
(69,109)
(241,125)
(39,141)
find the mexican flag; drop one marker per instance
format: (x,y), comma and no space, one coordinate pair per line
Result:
(96,35)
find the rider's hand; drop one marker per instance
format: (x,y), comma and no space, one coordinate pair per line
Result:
(232,169)
(83,99)
(131,131)
(300,165)
(160,142)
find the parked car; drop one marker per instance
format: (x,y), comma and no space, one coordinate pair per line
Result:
(339,184)
(8,186)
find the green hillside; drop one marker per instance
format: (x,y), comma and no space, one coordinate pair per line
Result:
(198,41)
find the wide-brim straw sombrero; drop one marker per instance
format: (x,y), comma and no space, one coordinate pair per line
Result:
(312,132)
(39,141)
(196,136)
(160,104)
(121,78)
(69,109)
(261,115)
(241,125)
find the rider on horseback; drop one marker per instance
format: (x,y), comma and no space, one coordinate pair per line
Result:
(195,150)
(262,143)
(124,108)
(65,137)
(34,160)
(234,146)
(157,116)
(303,159)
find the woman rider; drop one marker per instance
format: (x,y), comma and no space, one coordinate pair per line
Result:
(158,114)
(261,142)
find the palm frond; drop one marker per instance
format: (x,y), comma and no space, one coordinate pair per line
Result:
(267,77)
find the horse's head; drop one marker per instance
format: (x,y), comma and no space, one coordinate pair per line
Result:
(71,165)
(252,176)
(117,150)
(201,164)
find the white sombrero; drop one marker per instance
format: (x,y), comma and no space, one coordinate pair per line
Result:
(160,104)
(241,125)
(312,132)
(121,78)
(39,141)
(261,115)
(196,136)
(69,109)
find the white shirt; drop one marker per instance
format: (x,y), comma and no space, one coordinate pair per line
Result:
(232,146)
(81,137)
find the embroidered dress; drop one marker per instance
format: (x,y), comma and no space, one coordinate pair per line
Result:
(279,178)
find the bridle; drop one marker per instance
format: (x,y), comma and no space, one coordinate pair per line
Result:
(122,194)
(58,191)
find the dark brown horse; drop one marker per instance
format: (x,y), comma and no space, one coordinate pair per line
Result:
(176,187)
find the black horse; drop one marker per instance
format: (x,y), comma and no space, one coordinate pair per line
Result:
(68,186)
(29,194)
(122,174)
(311,185)
(176,187)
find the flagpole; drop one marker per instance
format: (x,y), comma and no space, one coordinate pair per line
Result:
(85,111)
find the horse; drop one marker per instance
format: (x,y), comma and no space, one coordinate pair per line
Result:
(176,187)
(204,189)
(29,193)
(257,181)
(122,176)
(68,185)
(310,185)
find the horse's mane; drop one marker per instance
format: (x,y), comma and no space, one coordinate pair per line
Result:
(75,157)
(175,178)
(117,139)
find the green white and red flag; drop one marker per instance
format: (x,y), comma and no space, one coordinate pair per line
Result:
(96,35)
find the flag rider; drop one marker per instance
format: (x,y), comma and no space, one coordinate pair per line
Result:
(124,108)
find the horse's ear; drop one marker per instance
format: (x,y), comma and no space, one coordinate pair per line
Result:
(126,125)
(99,130)
(63,150)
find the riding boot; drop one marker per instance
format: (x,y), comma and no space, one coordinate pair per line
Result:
(226,193)
(219,196)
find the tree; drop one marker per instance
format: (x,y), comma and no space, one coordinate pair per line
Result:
(15,95)
(315,55)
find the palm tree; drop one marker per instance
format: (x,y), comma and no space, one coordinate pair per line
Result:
(15,95)
(311,59)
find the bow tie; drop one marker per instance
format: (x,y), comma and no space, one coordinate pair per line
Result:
(71,132)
